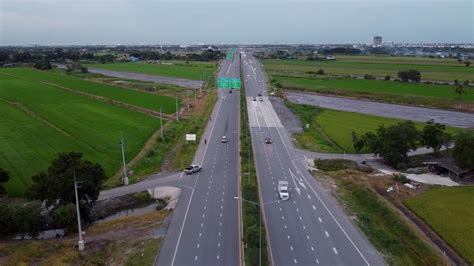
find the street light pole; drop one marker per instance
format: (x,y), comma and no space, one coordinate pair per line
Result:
(177,111)
(80,245)
(161,124)
(122,143)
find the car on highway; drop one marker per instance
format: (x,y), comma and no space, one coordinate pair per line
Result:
(193,168)
(268,141)
(224,139)
(283,192)
(259,95)
(254,99)
(230,91)
(261,99)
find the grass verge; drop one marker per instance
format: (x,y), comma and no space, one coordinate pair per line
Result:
(447,210)
(249,185)
(383,226)
(173,152)
(124,241)
(331,130)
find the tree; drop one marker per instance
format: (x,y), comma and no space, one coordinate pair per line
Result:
(434,135)
(320,72)
(468,63)
(369,77)
(459,90)
(463,152)
(65,217)
(393,143)
(28,219)
(4,177)
(43,65)
(466,83)
(410,75)
(387,77)
(56,186)
(357,142)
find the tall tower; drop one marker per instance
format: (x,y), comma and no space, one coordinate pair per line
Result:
(377,41)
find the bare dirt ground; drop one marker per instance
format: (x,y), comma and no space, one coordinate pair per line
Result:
(115,242)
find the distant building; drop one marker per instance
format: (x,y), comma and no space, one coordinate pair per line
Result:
(377,41)
(330,57)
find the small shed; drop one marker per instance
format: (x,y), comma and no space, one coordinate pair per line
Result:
(446,167)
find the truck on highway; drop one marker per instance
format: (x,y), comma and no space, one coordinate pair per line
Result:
(283,192)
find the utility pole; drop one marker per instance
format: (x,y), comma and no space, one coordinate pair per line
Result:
(80,244)
(122,143)
(187,97)
(161,124)
(177,110)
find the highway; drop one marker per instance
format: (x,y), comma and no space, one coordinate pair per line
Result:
(310,228)
(205,227)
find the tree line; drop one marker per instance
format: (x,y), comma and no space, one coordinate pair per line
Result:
(52,197)
(393,143)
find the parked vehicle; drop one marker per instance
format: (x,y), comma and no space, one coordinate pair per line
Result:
(254,99)
(268,141)
(283,191)
(193,168)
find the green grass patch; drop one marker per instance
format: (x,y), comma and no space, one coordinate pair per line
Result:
(176,69)
(37,121)
(375,87)
(173,147)
(144,252)
(450,212)
(331,131)
(442,69)
(385,229)
(133,97)
(335,164)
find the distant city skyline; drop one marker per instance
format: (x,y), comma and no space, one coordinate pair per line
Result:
(128,22)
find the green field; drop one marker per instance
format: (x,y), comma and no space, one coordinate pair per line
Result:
(176,69)
(37,121)
(431,69)
(450,212)
(365,87)
(331,130)
(146,100)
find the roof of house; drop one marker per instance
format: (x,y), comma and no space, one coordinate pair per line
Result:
(449,164)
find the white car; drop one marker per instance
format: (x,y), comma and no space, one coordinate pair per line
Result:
(193,168)
(261,99)
(283,192)
(224,139)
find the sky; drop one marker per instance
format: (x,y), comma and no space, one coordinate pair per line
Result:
(78,22)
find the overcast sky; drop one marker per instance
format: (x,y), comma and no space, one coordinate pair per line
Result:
(50,22)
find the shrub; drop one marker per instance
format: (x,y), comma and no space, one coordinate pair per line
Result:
(387,77)
(65,217)
(321,72)
(335,164)
(369,77)
(401,178)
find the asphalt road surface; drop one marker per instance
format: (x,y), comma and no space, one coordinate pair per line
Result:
(205,227)
(310,228)
(449,118)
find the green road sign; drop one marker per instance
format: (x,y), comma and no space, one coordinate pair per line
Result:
(228,83)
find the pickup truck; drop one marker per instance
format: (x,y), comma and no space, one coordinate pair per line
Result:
(283,192)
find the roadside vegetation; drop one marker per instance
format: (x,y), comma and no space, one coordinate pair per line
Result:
(380,222)
(173,153)
(124,241)
(176,69)
(249,185)
(331,130)
(379,66)
(447,210)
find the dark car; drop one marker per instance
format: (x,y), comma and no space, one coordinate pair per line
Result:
(193,168)
(254,99)
(230,91)
(259,95)
(268,141)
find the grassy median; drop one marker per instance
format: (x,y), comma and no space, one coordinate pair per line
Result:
(249,185)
